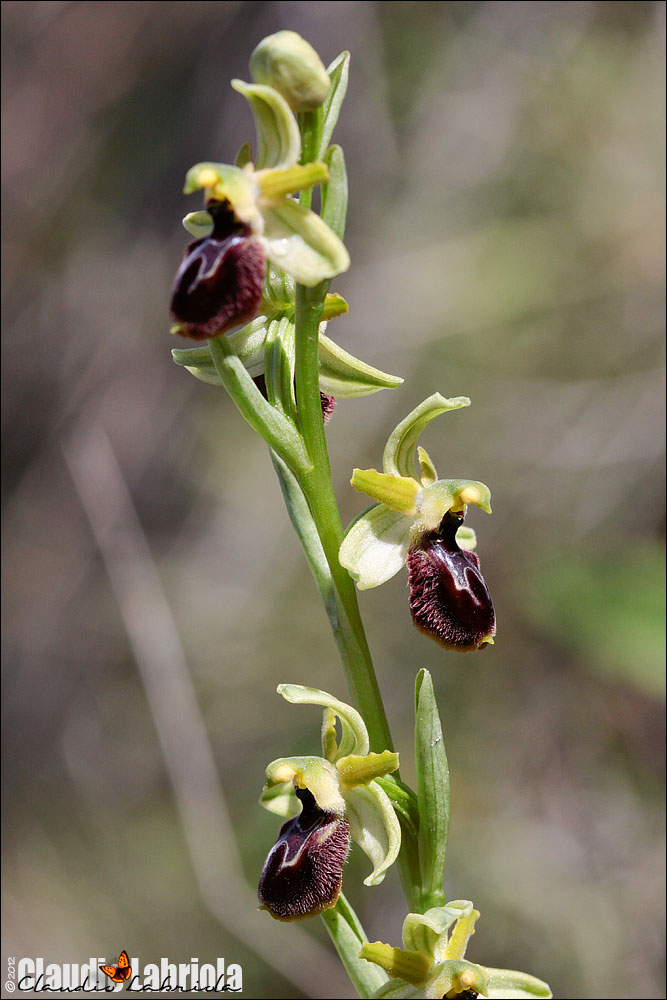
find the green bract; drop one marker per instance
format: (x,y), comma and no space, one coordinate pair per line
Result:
(294,238)
(409,502)
(342,781)
(431,963)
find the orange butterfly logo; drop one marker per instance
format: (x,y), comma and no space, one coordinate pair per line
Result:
(121,972)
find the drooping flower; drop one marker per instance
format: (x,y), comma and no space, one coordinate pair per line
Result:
(251,219)
(340,801)
(431,964)
(418,520)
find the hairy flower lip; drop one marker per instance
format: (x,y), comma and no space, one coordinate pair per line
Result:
(449,598)
(303,873)
(219,283)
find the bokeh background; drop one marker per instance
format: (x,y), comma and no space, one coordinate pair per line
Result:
(505,228)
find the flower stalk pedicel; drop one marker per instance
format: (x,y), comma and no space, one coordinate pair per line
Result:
(254,287)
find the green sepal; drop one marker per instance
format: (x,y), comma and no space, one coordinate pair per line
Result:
(313,773)
(338,73)
(398,458)
(398,493)
(376,546)
(355,770)
(398,963)
(427,932)
(509,983)
(432,791)
(344,376)
(199,224)
(374,827)
(341,374)
(300,242)
(335,192)
(354,735)
(278,139)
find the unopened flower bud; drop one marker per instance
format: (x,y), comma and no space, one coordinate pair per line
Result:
(286,62)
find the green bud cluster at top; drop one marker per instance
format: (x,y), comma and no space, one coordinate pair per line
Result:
(253,287)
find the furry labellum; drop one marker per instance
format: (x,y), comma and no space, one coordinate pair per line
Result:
(303,873)
(219,283)
(449,599)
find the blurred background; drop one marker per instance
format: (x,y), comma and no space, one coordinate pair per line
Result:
(506,232)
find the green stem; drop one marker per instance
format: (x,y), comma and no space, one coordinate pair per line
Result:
(279,432)
(318,490)
(348,936)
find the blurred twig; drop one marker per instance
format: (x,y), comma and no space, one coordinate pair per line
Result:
(180,727)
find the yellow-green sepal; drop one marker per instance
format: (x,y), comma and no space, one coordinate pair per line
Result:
(354,735)
(299,241)
(398,458)
(376,546)
(344,376)
(278,139)
(398,493)
(509,983)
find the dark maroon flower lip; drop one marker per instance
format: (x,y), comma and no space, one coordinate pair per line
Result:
(303,873)
(219,283)
(449,599)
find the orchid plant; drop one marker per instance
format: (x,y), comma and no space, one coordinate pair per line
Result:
(253,287)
